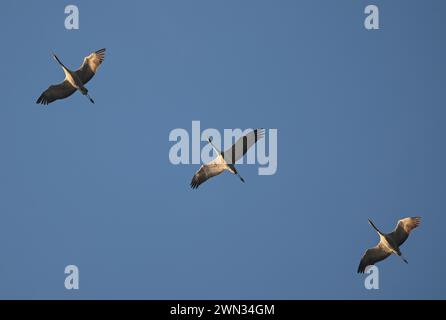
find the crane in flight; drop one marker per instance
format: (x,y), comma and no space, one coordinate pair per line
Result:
(74,80)
(226,160)
(389,242)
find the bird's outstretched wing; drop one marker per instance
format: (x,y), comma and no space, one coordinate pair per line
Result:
(403,229)
(372,256)
(242,145)
(55,92)
(206,172)
(90,65)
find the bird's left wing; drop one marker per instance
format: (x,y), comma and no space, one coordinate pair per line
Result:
(206,172)
(372,256)
(90,65)
(55,92)
(403,229)
(242,145)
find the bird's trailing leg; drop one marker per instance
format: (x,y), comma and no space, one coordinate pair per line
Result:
(234,171)
(88,96)
(401,256)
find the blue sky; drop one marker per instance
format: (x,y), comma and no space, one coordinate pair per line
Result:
(360,119)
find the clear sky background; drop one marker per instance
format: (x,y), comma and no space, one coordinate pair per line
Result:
(360,117)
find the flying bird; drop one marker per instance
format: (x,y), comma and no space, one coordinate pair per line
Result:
(74,80)
(389,243)
(226,160)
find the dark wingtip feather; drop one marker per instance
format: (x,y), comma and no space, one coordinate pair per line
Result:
(258,134)
(42,100)
(362,266)
(194,183)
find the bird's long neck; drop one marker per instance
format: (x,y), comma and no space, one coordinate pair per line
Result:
(60,62)
(215,148)
(374,227)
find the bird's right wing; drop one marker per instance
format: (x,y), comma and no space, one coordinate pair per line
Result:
(206,172)
(372,256)
(239,149)
(403,229)
(55,92)
(90,65)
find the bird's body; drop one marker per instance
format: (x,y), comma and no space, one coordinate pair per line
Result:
(209,170)
(74,80)
(389,243)
(226,160)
